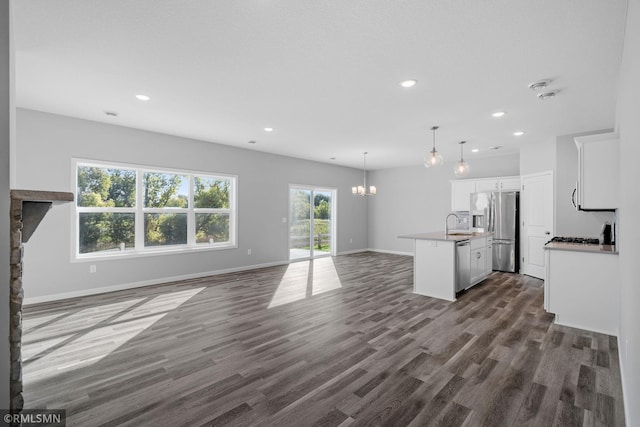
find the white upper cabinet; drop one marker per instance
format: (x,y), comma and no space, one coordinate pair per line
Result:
(461,194)
(598,172)
(461,189)
(507,183)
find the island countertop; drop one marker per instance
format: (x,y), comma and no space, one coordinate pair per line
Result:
(440,235)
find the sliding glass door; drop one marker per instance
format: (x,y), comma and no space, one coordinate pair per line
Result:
(311,222)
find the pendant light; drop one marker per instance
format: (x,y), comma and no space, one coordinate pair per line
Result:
(433,158)
(462,167)
(361,190)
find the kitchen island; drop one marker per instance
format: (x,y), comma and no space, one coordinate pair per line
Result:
(437,262)
(581,286)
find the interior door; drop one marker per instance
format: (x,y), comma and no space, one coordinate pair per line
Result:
(536,200)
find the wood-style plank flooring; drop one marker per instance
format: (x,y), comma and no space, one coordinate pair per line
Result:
(333,342)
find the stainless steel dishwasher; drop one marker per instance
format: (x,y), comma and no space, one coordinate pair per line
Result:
(463,265)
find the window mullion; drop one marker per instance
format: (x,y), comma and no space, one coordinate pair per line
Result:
(191,216)
(139,211)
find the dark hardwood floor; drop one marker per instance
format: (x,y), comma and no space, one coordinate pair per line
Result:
(336,341)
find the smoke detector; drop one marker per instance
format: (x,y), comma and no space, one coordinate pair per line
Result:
(539,85)
(546,95)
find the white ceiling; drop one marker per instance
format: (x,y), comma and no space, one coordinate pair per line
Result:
(325,74)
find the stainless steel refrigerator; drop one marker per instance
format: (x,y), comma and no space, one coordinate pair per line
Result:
(497,212)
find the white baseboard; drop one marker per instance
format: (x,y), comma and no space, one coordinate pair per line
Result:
(355,251)
(125,286)
(160,281)
(385,251)
(623,375)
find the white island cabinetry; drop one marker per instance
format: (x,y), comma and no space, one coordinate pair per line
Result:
(478,260)
(436,262)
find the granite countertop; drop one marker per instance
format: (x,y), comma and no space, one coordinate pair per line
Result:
(439,235)
(579,247)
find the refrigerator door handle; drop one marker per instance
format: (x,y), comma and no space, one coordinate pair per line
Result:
(492,214)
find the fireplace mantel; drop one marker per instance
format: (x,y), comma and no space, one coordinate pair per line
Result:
(28,208)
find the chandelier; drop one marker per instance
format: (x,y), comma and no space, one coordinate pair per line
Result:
(361,190)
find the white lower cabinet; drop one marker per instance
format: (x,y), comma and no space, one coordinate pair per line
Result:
(582,290)
(478,260)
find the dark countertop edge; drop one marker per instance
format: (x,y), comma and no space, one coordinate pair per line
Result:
(576,247)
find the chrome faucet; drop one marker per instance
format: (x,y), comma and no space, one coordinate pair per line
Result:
(446,223)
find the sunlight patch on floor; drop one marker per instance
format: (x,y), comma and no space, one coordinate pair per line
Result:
(304,279)
(48,358)
(325,276)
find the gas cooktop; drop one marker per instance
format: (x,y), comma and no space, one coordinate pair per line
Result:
(578,240)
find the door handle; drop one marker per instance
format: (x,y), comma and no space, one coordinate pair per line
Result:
(573,197)
(547,232)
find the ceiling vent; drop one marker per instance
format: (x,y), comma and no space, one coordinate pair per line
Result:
(539,85)
(548,95)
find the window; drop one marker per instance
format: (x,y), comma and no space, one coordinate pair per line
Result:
(124,209)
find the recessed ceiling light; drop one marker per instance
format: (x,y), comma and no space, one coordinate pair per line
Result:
(495,147)
(518,133)
(408,83)
(332,158)
(143,97)
(268,129)
(498,114)
(111,113)
(475,150)
(252,142)
(539,85)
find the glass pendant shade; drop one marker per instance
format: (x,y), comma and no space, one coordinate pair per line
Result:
(462,167)
(433,158)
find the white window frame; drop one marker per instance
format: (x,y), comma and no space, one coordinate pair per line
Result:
(139,211)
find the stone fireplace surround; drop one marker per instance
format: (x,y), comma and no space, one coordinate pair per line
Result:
(28,208)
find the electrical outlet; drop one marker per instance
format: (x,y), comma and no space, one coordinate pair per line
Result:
(248,251)
(92,268)
(284,220)
(351,240)
(434,244)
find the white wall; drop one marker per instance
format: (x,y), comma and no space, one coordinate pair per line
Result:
(416,199)
(569,221)
(46,143)
(627,116)
(538,156)
(5,115)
